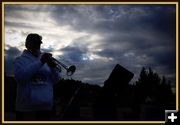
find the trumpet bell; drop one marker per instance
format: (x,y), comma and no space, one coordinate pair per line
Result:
(71,70)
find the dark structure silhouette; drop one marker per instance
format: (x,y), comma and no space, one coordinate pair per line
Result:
(105,107)
(118,79)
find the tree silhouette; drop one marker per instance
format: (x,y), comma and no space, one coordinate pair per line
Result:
(153,91)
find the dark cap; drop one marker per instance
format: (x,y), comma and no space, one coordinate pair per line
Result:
(33,38)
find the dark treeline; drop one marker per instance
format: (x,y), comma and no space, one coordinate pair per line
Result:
(146,99)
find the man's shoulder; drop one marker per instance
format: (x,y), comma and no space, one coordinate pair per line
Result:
(23,56)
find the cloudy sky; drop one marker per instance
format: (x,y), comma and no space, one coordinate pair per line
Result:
(97,37)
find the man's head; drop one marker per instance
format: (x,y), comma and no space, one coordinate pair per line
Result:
(33,42)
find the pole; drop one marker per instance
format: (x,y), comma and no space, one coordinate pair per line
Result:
(70,102)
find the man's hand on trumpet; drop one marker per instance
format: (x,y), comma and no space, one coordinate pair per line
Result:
(47,58)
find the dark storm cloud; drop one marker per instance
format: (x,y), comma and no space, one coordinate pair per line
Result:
(107,18)
(18,10)
(147,32)
(10,54)
(94,71)
(18,24)
(131,35)
(77,50)
(162,20)
(73,54)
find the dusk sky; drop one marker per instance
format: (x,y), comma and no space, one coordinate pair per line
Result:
(97,37)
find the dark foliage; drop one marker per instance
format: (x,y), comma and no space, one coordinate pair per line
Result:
(154,94)
(146,99)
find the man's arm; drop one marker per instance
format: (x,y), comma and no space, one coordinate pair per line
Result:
(24,72)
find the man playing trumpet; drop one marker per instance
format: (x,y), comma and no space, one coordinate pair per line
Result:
(35,74)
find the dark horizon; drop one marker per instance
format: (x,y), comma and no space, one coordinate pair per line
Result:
(116,100)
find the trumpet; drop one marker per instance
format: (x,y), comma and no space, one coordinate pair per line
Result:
(70,69)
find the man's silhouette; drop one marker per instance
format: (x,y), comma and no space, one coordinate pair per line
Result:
(35,74)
